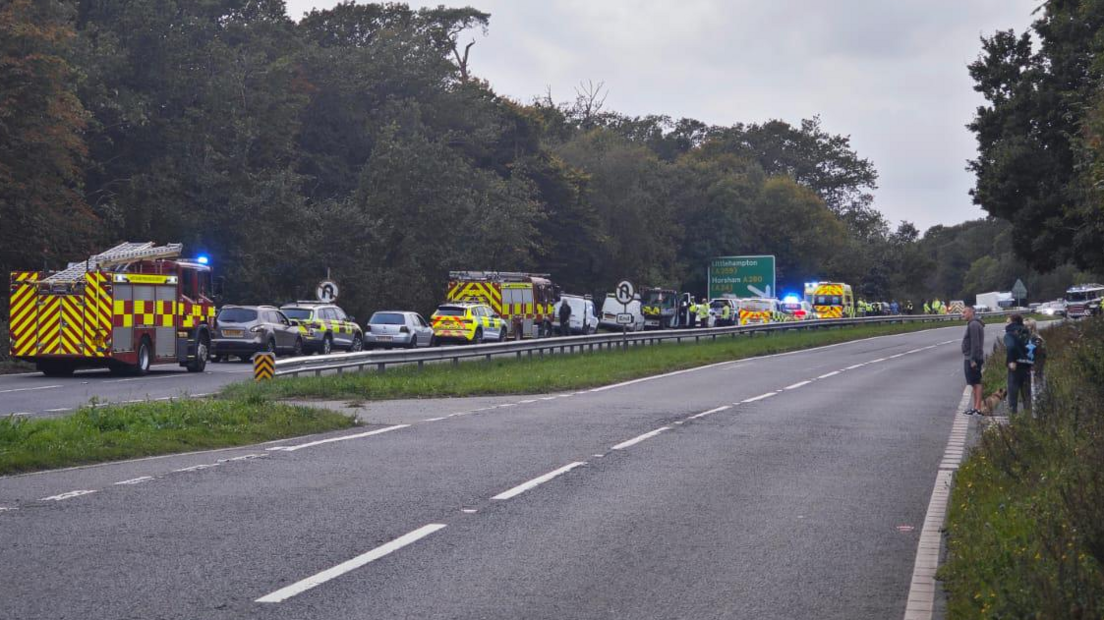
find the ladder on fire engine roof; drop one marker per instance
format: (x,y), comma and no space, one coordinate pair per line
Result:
(119,255)
(496,276)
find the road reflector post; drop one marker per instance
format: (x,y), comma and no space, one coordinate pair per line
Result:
(264,366)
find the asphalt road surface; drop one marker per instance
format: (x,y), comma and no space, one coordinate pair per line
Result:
(791,486)
(35,394)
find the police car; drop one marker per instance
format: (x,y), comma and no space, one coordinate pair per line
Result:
(469,322)
(325,327)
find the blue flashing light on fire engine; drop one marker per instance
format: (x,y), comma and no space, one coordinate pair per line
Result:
(203,259)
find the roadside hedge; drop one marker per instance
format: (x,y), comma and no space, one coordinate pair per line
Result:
(1025,533)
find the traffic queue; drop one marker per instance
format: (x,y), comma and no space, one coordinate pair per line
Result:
(137,304)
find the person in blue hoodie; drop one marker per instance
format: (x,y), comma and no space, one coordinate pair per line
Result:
(1017,344)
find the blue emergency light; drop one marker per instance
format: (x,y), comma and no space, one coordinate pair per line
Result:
(202,259)
(791,299)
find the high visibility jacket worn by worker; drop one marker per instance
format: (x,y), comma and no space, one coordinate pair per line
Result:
(726,312)
(703,313)
(927,309)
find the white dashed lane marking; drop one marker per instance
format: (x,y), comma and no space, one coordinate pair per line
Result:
(539,480)
(316,580)
(69,495)
(640,438)
(137,480)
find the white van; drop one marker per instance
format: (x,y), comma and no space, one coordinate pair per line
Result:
(611,308)
(583,318)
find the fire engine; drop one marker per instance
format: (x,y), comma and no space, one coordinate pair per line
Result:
(124,309)
(524,300)
(1084,300)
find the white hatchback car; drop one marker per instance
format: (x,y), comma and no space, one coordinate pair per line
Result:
(611,308)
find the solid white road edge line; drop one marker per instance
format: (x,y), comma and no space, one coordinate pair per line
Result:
(30,389)
(921,599)
(342,438)
(525,486)
(316,580)
(759,397)
(636,440)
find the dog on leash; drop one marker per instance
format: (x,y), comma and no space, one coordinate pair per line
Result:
(989,405)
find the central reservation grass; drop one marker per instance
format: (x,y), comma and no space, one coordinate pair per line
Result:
(115,432)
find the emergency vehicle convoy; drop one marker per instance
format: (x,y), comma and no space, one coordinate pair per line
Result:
(137,304)
(123,309)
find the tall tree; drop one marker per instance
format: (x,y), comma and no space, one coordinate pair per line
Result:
(1030,165)
(43,216)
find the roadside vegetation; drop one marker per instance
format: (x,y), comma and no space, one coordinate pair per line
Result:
(551,373)
(1025,533)
(95,434)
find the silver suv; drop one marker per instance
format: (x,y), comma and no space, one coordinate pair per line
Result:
(245,330)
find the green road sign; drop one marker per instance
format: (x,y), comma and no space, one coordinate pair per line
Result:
(742,276)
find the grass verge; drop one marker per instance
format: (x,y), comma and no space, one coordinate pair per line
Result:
(1024,532)
(551,373)
(115,432)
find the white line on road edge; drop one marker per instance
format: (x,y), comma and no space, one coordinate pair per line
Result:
(710,412)
(316,580)
(30,389)
(797,385)
(342,438)
(525,486)
(69,495)
(138,480)
(59,409)
(921,598)
(636,440)
(759,397)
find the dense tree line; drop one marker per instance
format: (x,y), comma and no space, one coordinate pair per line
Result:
(1041,134)
(357,140)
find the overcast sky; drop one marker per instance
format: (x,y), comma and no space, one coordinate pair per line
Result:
(889,73)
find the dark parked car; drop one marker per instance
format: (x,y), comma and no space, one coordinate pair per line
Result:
(245,330)
(398,329)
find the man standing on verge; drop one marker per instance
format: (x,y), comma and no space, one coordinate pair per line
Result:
(565,318)
(1016,340)
(973,352)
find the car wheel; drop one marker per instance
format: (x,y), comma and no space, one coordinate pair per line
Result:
(327,345)
(433,342)
(216,358)
(502,334)
(413,344)
(478,339)
(298,350)
(203,348)
(358,343)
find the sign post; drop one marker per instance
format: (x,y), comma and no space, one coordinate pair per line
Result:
(1019,292)
(624,294)
(741,276)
